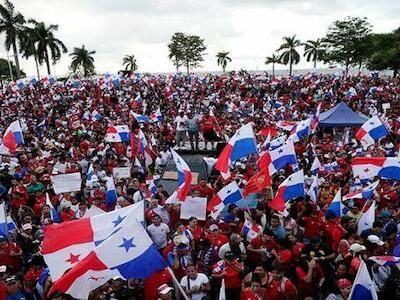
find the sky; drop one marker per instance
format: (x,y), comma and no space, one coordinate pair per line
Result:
(249,29)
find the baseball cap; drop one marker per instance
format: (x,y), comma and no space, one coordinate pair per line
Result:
(164,289)
(213,227)
(375,240)
(3,269)
(385,214)
(356,247)
(343,283)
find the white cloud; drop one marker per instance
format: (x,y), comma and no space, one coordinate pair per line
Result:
(250,30)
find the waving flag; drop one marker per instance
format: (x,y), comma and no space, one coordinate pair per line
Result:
(96,116)
(53,212)
(292,187)
(364,193)
(251,230)
(90,173)
(337,208)
(371,131)
(316,166)
(301,130)
(367,219)
(67,243)
(315,119)
(369,167)
(286,125)
(363,287)
(6,223)
(386,260)
(219,266)
(241,144)
(140,118)
(117,134)
(184,179)
(157,116)
(111,193)
(229,194)
(128,253)
(257,183)
(277,142)
(12,138)
(282,157)
(313,191)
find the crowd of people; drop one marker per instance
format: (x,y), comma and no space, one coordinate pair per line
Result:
(302,254)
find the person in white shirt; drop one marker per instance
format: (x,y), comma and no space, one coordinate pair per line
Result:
(196,285)
(158,232)
(181,122)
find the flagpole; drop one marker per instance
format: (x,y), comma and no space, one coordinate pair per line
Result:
(176,283)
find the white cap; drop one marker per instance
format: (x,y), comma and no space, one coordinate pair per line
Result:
(357,248)
(375,240)
(164,289)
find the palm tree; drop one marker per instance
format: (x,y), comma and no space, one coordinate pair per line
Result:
(81,57)
(222,59)
(274,59)
(11,23)
(290,55)
(28,47)
(129,61)
(47,42)
(314,50)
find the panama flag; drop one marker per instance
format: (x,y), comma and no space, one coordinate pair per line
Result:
(67,243)
(292,187)
(367,219)
(315,119)
(369,167)
(363,287)
(286,125)
(277,142)
(95,116)
(229,194)
(140,118)
(241,144)
(157,116)
(316,166)
(6,223)
(313,191)
(90,173)
(386,260)
(111,193)
(371,131)
(301,130)
(184,179)
(53,212)
(12,138)
(282,157)
(251,230)
(337,208)
(364,193)
(128,253)
(117,134)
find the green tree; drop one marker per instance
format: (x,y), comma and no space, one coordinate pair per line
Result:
(273,59)
(386,52)
(12,24)
(5,69)
(222,59)
(129,61)
(28,47)
(82,58)
(314,50)
(344,39)
(175,49)
(189,50)
(46,42)
(289,53)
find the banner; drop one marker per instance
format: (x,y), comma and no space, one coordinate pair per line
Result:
(121,172)
(194,207)
(65,183)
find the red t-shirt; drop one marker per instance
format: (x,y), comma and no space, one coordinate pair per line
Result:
(204,191)
(197,233)
(6,258)
(152,284)
(278,290)
(312,226)
(248,294)
(232,277)
(218,240)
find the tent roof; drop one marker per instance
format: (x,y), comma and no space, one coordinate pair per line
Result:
(341,116)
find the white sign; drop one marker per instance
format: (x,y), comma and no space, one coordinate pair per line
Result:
(385,106)
(121,172)
(65,183)
(194,207)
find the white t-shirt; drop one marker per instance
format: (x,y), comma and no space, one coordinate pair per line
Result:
(227,248)
(181,123)
(200,279)
(159,234)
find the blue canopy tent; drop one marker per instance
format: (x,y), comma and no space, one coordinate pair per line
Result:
(341,116)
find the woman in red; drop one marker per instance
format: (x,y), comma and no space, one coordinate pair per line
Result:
(254,292)
(196,231)
(208,124)
(231,274)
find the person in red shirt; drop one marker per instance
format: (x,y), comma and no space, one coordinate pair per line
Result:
(10,253)
(203,189)
(333,231)
(260,246)
(254,292)
(279,287)
(207,126)
(215,237)
(67,214)
(310,276)
(312,224)
(196,231)
(295,246)
(152,283)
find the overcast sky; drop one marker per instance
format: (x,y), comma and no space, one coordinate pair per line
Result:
(249,29)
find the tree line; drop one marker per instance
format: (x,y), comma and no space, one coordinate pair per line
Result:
(348,42)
